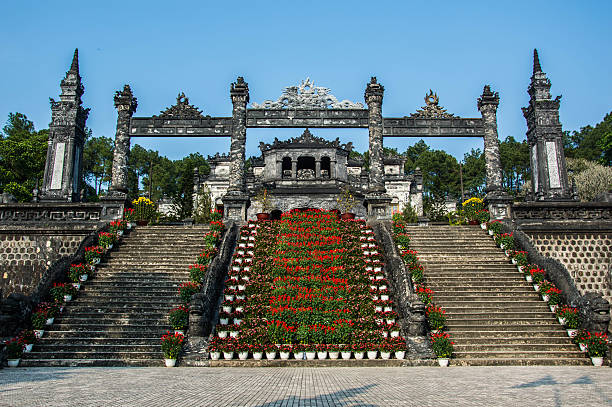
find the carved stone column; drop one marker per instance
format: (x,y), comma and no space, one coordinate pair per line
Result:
(376,199)
(318,168)
(236,200)
(374,97)
(293,168)
(497,199)
(126,105)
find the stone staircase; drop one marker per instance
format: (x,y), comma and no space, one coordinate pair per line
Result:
(493,315)
(120,315)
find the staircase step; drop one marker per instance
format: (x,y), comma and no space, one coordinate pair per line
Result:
(88,362)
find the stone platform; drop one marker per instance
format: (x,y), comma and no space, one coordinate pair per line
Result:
(419,386)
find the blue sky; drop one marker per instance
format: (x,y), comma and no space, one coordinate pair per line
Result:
(199,47)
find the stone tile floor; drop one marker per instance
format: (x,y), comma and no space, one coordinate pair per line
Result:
(272,387)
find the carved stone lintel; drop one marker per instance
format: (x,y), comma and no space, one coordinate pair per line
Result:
(306,139)
(181,110)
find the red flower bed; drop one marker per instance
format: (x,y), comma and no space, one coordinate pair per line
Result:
(307,280)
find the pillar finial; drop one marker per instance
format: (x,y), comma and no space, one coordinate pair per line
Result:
(536,62)
(75,61)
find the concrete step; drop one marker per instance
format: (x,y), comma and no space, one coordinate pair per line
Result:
(93,340)
(499,321)
(88,362)
(512,360)
(499,333)
(62,354)
(480,327)
(122,348)
(497,315)
(522,347)
(121,335)
(143,329)
(519,354)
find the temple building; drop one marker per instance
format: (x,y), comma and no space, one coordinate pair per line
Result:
(309,171)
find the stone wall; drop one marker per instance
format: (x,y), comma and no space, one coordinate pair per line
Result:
(26,253)
(586,255)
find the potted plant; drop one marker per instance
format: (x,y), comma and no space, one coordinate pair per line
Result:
(27,338)
(597,346)
(117,227)
(39,320)
(106,240)
(128,215)
(214,352)
(346,203)
(435,317)
(483,217)
(171,344)
(581,338)
(186,290)
(442,347)
(77,273)
(144,210)
(257,349)
(179,319)
(470,208)
(333,350)
(572,323)
(520,260)
(265,203)
(93,254)
(14,350)
(494,227)
(271,351)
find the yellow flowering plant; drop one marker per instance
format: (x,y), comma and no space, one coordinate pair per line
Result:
(144,209)
(471,207)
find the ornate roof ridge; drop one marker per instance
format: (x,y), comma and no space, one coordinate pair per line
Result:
(307,138)
(307,96)
(431,110)
(182,109)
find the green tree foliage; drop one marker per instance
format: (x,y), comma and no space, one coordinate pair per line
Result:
(515,163)
(591,178)
(474,176)
(98,162)
(22,156)
(591,143)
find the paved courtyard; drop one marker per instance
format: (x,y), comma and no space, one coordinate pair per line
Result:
(267,387)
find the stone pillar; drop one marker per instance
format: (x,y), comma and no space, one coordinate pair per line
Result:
(376,199)
(545,139)
(279,170)
(318,168)
(374,97)
(332,169)
(236,200)
(497,199)
(126,105)
(64,164)
(293,168)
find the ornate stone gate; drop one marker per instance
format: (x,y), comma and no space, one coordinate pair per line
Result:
(310,106)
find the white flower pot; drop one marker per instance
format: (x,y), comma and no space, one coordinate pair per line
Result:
(443,362)
(285,355)
(521,269)
(13,362)
(322,355)
(299,355)
(345,355)
(400,354)
(490,233)
(310,355)
(77,285)
(128,226)
(39,333)
(229,298)
(583,347)
(236,268)
(222,334)
(228,355)
(240,297)
(571,332)
(83,277)
(388,308)
(390,320)
(372,354)
(514,261)
(333,355)
(379,308)
(561,320)
(271,355)
(374,297)
(239,309)
(233,334)
(553,308)
(215,355)
(227,308)
(483,226)
(382,287)
(243,355)
(385,334)
(170,362)
(49,321)
(28,348)
(545,297)
(597,360)
(223,321)
(179,331)
(384,297)
(536,287)
(67,298)
(257,355)
(359,355)
(528,278)
(385,355)
(395,334)
(237,321)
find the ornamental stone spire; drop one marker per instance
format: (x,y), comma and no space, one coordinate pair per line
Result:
(63,167)
(545,139)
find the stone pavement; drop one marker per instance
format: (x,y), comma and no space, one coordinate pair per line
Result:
(268,387)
